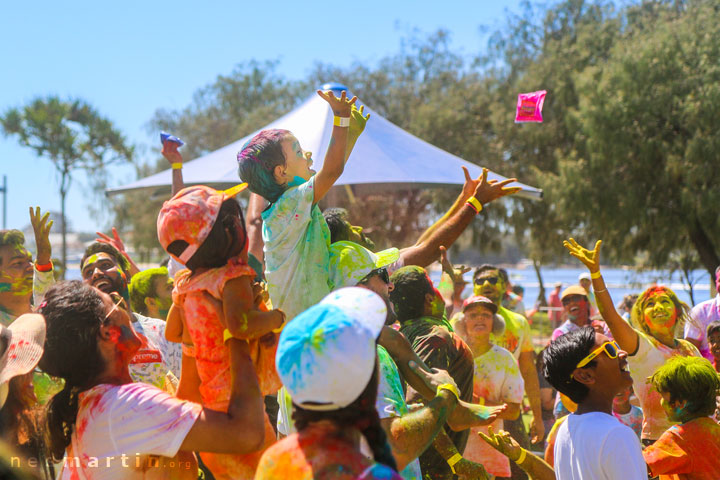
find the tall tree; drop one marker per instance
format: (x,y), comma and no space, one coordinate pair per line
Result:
(73,136)
(647,180)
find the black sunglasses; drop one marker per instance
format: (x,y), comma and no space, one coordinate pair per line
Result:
(380,272)
(491,280)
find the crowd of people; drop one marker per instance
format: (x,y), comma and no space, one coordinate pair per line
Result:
(282,345)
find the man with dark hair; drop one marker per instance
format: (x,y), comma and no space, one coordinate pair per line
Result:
(591,369)
(703,314)
(491,282)
(419,307)
(158,362)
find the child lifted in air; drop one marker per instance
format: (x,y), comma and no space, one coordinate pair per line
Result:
(296,236)
(214,301)
(689,450)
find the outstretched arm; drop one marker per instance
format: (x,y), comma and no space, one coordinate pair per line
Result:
(240,314)
(174,158)
(427,252)
(357,126)
(532,465)
(467,192)
(624,334)
(334,163)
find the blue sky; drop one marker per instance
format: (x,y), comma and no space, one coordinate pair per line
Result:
(130,58)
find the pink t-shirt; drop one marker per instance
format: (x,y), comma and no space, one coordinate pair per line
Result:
(131,431)
(200,297)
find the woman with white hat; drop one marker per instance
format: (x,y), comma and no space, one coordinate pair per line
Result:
(327,360)
(21,346)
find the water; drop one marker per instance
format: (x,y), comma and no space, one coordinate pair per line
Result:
(620,282)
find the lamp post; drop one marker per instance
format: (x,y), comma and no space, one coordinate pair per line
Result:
(3,189)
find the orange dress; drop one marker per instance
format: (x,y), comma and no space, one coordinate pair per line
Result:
(200,297)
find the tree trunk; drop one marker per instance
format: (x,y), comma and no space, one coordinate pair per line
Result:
(541,300)
(64,186)
(705,249)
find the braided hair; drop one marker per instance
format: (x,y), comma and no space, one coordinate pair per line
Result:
(73,313)
(362,415)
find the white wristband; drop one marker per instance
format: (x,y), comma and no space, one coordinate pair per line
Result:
(341,121)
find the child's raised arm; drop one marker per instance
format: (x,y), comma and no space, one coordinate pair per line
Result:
(241,316)
(334,163)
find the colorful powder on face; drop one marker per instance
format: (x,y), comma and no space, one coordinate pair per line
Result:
(5,287)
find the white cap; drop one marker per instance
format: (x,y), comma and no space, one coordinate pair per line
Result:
(326,355)
(584,276)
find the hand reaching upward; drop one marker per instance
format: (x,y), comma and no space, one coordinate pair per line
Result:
(591,258)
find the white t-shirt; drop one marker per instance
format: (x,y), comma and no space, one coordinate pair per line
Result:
(650,356)
(497,380)
(157,356)
(596,446)
(297,255)
(118,427)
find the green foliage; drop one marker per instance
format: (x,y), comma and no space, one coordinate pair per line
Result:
(74,136)
(646,179)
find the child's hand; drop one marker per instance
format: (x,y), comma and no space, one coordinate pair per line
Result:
(503,443)
(341,107)
(170,152)
(357,121)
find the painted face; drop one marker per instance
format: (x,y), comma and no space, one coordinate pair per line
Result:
(489,284)
(117,318)
(576,308)
(297,161)
(101,272)
(16,270)
(660,313)
(163,294)
(478,320)
(714,343)
(585,283)
(357,236)
(675,411)
(438,304)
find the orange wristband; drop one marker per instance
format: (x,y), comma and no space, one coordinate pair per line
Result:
(44,268)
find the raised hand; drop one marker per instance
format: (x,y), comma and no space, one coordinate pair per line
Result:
(357,121)
(341,107)
(591,258)
(470,184)
(41,227)
(449,268)
(487,191)
(119,246)
(170,152)
(503,443)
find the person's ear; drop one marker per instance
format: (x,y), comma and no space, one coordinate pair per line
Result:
(279,174)
(105,331)
(149,303)
(586,376)
(678,404)
(429,299)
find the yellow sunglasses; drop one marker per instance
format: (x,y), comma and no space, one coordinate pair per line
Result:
(611,349)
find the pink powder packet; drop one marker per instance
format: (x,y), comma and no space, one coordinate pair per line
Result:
(529,107)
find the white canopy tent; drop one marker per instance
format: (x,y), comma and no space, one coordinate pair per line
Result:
(384,156)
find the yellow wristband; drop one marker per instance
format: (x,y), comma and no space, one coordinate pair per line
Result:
(227,335)
(176,166)
(596,274)
(475,203)
(450,388)
(341,121)
(521,458)
(452,461)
